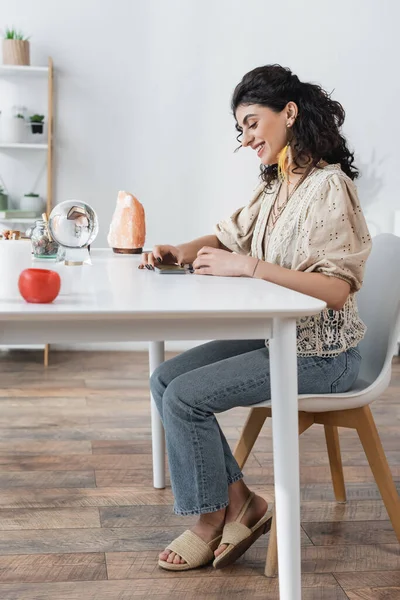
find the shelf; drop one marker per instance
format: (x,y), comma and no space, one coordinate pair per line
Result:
(22,70)
(26,76)
(22,220)
(24,146)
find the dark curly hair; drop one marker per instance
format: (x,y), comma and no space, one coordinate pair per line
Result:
(316,130)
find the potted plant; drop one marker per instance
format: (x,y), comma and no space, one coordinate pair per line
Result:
(20,127)
(37,122)
(32,202)
(15,48)
(3,198)
(13,128)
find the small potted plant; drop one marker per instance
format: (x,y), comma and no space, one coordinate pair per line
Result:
(32,202)
(37,122)
(20,126)
(15,48)
(3,198)
(13,127)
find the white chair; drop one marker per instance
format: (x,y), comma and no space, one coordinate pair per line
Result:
(379,306)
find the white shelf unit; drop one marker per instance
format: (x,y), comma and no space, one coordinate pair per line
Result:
(23,70)
(32,71)
(24,146)
(23,220)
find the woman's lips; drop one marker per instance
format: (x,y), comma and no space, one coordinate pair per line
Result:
(260,149)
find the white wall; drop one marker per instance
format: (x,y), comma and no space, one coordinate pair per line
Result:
(143,91)
(143,98)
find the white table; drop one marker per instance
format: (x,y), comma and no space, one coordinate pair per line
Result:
(115,302)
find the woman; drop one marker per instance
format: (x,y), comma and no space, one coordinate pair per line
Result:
(303,229)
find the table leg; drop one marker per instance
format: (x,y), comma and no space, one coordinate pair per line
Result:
(156,357)
(285,430)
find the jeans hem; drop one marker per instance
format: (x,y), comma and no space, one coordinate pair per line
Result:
(202,510)
(235,478)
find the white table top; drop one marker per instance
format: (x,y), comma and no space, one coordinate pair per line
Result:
(114,286)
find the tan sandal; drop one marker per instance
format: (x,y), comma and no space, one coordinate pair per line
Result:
(195,551)
(239,537)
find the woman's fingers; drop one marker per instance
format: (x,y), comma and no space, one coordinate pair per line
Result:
(166,254)
(144,261)
(205,250)
(158,253)
(202,261)
(161,254)
(147,261)
(202,271)
(201,267)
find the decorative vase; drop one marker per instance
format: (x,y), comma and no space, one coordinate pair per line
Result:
(16,52)
(13,130)
(32,202)
(3,201)
(15,255)
(128,226)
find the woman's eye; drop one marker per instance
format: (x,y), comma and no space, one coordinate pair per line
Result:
(254,125)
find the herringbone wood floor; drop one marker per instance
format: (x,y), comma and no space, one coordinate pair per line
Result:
(79,518)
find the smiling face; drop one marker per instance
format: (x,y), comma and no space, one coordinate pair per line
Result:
(265,130)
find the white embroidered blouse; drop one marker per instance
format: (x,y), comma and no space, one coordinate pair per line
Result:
(322,229)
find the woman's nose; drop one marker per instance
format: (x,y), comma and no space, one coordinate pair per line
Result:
(246,139)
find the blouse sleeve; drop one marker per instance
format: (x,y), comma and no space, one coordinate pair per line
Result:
(335,240)
(236,232)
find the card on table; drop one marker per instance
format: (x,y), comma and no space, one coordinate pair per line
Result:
(170,269)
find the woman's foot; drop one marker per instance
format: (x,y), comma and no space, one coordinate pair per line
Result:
(255,511)
(208,527)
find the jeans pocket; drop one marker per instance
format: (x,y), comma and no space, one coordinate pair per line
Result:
(335,385)
(354,353)
(349,373)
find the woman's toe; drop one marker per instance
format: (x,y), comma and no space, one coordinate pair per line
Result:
(171,557)
(164,555)
(177,560)
(220,549)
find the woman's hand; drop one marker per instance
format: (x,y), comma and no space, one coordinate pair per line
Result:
(213,261)
(169,255)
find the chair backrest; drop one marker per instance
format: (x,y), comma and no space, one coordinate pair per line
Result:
(379,306)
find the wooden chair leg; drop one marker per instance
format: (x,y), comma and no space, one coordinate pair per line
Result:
(305,421)
(271,564)
(372,445)
(250,432)
(335,462)
(46,355)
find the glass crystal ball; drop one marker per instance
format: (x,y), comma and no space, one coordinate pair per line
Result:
(73,224)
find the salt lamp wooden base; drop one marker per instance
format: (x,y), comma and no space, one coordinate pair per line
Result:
(128,250)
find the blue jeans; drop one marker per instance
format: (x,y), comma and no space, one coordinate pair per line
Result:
(214,377)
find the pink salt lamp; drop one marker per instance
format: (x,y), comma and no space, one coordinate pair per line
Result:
(128,227)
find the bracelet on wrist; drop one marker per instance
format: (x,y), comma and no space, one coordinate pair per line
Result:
(255,267)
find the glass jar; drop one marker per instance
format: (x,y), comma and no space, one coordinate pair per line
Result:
(43,246)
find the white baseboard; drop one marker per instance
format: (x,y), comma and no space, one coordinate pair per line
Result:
(23,347)
(174,346)
(177,346)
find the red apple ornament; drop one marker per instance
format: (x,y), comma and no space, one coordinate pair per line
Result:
(39,286)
